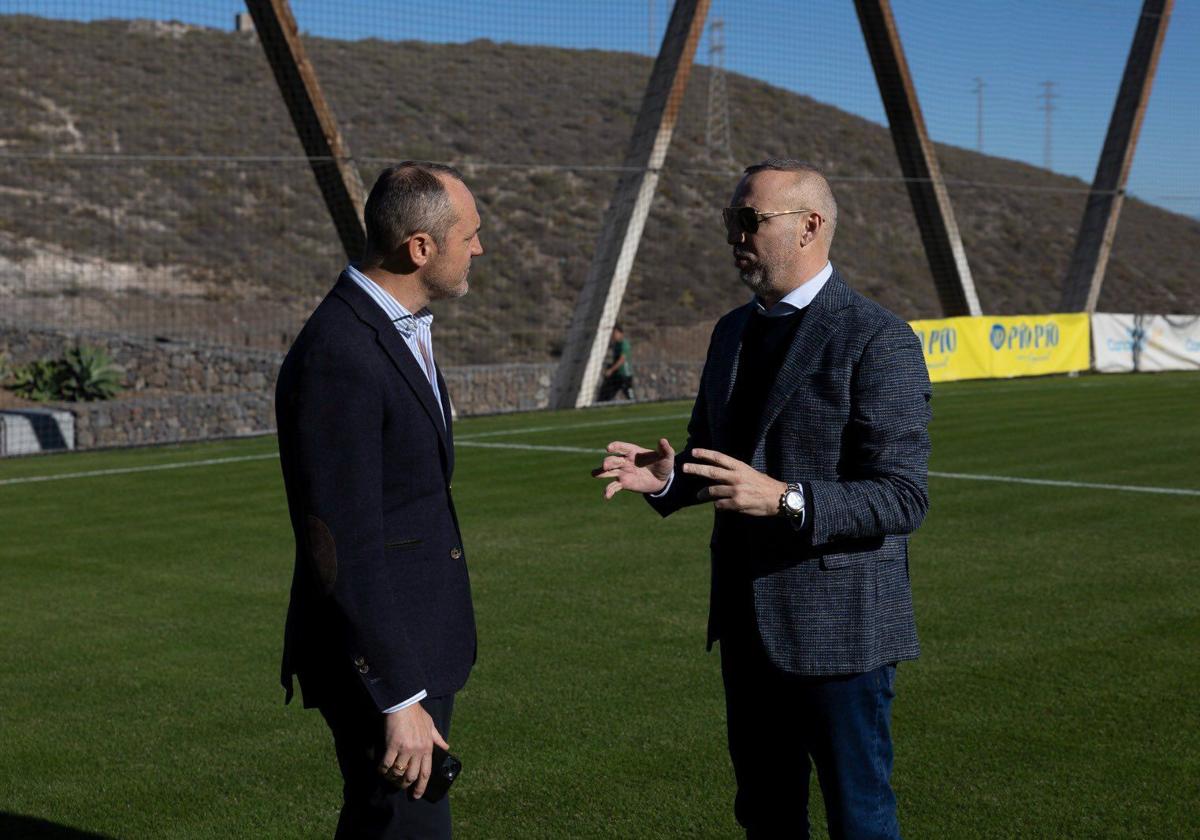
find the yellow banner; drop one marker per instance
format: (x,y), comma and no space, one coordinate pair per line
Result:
(1002,347)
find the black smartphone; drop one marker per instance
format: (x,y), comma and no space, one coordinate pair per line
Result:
(446,768)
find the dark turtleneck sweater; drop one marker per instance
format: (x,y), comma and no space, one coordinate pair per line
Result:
(765,342)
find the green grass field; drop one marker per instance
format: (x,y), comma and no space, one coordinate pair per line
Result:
(141,616)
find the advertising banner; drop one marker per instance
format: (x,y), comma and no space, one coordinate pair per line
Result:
(1124,343)
(1003,346)
(950,349)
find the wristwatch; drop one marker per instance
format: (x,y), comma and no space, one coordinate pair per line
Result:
(791,503)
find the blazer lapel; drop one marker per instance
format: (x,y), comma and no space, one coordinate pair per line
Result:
(394,347)
(724,371)
(820,322)
(448,414)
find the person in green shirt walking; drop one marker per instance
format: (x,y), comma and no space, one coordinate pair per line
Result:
(618,376)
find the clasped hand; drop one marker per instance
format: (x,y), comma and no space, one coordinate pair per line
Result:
(409,736)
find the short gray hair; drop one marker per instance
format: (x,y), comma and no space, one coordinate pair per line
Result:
(823,190)
(408,198)
(782,165)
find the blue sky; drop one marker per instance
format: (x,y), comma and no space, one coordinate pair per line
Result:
(816,48)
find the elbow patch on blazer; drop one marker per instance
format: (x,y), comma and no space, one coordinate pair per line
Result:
(322,553)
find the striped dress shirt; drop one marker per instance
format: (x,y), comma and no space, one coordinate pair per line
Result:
(414,329)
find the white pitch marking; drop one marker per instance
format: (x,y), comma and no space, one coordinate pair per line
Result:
(175,465)
(460,441)
(531,447)
(624,421)
(1088,485)
(577,450)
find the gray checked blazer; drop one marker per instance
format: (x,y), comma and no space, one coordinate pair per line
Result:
(847,416)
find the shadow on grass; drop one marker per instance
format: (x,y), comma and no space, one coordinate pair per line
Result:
(18,827)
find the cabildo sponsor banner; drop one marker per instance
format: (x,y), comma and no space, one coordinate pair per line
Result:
(1003,346)
(1122,343)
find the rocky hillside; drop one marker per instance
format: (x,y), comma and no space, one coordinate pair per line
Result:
(176,201)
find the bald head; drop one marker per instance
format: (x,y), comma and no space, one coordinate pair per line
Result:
(803,186)
(785,241)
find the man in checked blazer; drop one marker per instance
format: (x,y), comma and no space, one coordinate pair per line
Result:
(380,628)
(809,436)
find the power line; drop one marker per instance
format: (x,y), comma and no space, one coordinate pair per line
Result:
(123,158)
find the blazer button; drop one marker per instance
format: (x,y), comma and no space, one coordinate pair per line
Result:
(359,661)
(362,669)
(456,553)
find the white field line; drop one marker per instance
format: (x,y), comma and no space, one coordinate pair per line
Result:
(472,441)
(465,440)
(595,424)
(173,465)
(528,447)
(1088,485)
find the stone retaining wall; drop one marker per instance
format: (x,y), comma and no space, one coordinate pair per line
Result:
(175,366)
(491,389)
(170,419)
(494,389)
(224,393)
(657,381)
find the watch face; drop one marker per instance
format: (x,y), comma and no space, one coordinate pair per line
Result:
(794,500)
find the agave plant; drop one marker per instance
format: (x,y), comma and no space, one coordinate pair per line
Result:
(87,373)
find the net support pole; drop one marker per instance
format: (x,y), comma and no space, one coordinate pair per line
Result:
(599,300)
(918,161)
(1098,228)
(335,171)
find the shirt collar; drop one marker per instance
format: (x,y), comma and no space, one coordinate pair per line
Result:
(406,322)
(799,297)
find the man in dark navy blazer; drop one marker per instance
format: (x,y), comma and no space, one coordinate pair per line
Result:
(809,436)
(380,628)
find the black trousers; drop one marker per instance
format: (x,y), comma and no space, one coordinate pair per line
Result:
(372,806)
(618,382)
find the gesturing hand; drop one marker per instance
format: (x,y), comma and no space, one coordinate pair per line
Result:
(409,736)
(736,485)
(637,469)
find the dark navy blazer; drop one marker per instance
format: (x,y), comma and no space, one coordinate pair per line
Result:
(380,592)
(847,416)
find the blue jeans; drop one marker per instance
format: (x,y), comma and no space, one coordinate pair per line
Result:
(780,725)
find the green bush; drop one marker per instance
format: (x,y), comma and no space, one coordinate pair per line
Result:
(36,380)
(84,374)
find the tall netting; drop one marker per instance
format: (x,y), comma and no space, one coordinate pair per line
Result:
(152,185)
(1019,98)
